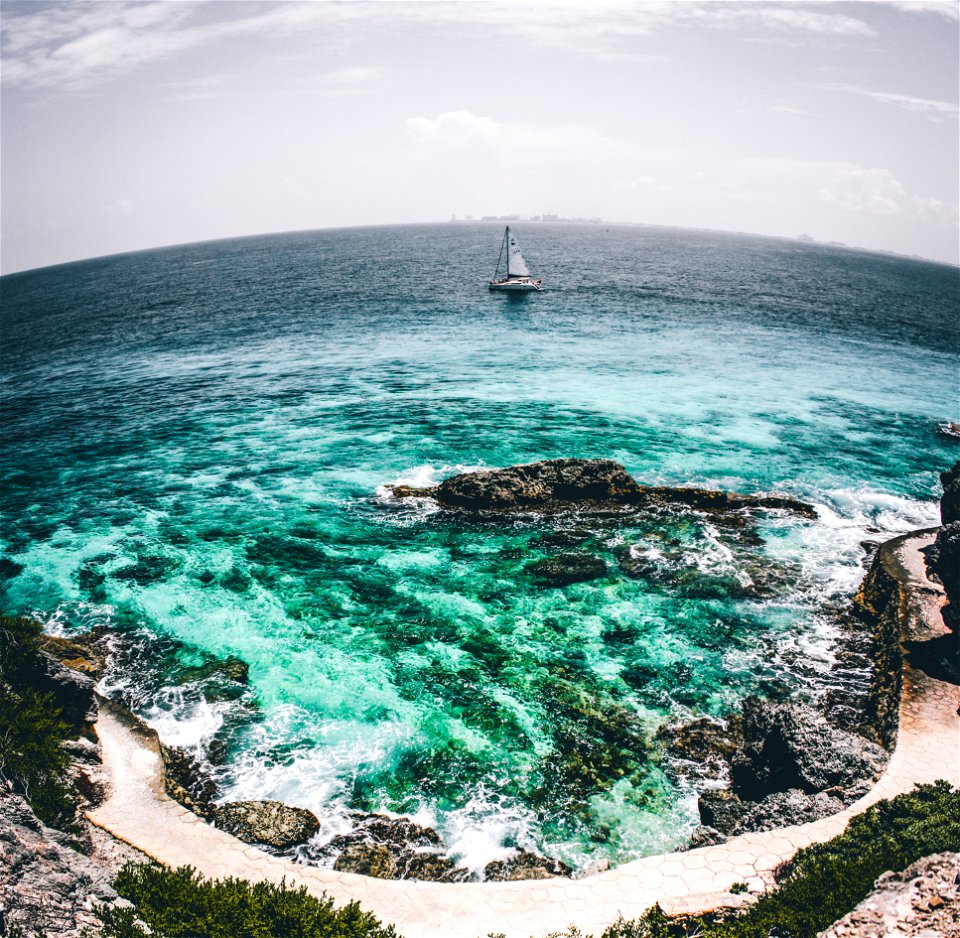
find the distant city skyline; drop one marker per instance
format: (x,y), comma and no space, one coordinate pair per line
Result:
(131,125)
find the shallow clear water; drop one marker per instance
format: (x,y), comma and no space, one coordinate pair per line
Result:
(195,442)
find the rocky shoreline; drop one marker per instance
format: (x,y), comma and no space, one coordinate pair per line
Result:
(775,764)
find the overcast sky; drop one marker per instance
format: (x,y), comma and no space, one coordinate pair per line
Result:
(132,125)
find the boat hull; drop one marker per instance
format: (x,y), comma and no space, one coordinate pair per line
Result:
(515,284)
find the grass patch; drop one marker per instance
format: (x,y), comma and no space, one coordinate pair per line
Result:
(180,903)
(32,759)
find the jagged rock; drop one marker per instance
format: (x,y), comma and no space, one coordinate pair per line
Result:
(792,746)
(950,501)
(79,653)
(785,808)
(230,668)
(45,887)
(922,901)
(702,748)
(566,569)
(270,823)
(524,865)
(943,565)
(368,860)
(72,691)
(538,484)
(414,851)
(187,781)
(721,809)
(704,836)
(582,484)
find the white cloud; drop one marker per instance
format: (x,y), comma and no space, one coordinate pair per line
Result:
(946,8)
(933,110)
(842,185)
(462,128)
(83,42)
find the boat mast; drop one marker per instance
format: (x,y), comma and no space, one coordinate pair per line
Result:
(500,255)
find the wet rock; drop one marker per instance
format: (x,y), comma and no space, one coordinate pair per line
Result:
(72,691)
(270,823)
(230,668)
(785,808)
(393,848)
(367,860)
(45,886)
(702,748)
(704,836)
(943,565)
(539,484)
(566,569)
(187,781)
(791,746)
(78,653)
(524,865)
(598,485)
(950,501)
(721,810)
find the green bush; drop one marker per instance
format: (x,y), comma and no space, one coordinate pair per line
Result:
(180,903)
(31,731)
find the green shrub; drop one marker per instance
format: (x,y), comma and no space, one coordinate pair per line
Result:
(180,903)
(31,731)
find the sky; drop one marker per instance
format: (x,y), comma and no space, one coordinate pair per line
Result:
(129,125)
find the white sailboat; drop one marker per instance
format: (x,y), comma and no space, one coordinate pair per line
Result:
(518,275)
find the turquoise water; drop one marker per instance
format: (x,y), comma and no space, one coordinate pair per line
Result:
(196,442)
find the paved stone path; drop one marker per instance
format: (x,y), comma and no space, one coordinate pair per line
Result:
(928,748)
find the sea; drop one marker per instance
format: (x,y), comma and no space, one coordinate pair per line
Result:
(197,443)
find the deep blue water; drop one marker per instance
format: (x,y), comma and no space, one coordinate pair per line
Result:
(194,439)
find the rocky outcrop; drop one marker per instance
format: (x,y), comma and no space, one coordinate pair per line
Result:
(598,485)
(567,568)
(950,502)
(943,565)
(266,823)
(790,746)
(922,901)
(524,865)
(187,780)
(393,848)
(45,886)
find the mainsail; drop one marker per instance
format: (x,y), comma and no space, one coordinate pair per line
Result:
(516,265)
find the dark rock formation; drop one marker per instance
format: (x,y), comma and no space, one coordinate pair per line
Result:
(392,848)
(598,485)
(721,809)
(72,691)
(524,865)
(567,568)
(45,886)
(230,668)
(792,746)
(943,565)
(566,537)
(539,484)
(267,823)
(950,502)
(704,747)
(186,780)
(785,808)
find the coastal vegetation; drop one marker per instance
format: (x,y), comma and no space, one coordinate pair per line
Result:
(32,729)
(173,903)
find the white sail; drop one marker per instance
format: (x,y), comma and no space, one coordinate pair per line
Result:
(516,265)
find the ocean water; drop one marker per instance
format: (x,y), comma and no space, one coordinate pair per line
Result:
(195,446)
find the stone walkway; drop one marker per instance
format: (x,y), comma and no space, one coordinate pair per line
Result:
(928,748)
